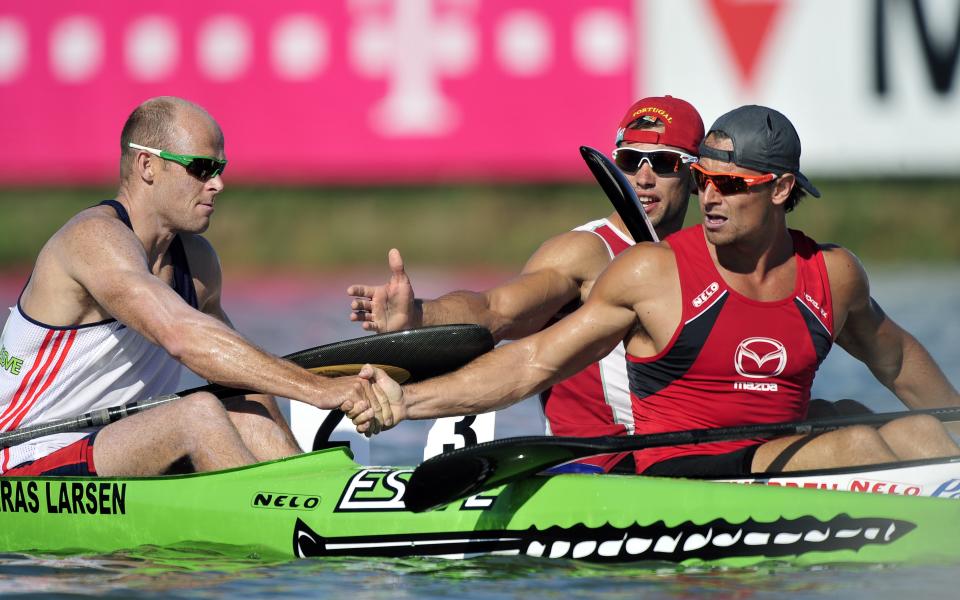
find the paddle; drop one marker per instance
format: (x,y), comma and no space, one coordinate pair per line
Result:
(621,194)
(474,469)
(410,355)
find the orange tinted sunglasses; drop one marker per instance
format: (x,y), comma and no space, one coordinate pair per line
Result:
(727,183)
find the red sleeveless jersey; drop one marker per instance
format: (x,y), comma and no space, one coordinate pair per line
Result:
(596,401)
(733,360)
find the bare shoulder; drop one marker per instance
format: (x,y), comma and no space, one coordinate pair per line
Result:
(850,289)
(643,279)
(94,226)
(92,237)
(837,256)
(645,266)
(652,259)
(579,255)
(87,252)
(849,283)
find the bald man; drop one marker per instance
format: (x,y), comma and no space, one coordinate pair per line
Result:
(125,294)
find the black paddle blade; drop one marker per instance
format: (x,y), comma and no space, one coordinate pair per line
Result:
(422,353)
(467,471)
(621,194)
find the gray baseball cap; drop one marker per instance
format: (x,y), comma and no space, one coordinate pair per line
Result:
(763,140)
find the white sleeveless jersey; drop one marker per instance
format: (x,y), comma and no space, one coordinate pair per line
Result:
(48,373)
(595,401)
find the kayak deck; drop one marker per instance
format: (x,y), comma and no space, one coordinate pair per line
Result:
(324,504)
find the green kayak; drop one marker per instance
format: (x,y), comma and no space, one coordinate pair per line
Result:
(324,504)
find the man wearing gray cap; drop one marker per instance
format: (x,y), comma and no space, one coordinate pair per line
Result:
(725,324)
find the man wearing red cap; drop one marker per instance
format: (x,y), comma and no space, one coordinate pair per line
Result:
(656,141)
(725,324)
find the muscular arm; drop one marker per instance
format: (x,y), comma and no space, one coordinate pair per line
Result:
(517,370)
(108,261)
(891,353)
(561,270)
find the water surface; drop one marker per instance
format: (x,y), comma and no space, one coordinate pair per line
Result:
(284,315)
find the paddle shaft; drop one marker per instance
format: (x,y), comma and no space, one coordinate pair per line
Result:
(95,418)
(405,355)
(105,416)
(763,430)
(621,194)
(468,471)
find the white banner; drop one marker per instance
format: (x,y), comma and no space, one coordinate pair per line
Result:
(871,85)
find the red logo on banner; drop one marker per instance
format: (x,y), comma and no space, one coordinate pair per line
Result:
(746,25)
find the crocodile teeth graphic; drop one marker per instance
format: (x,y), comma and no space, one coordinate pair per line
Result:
(658,541)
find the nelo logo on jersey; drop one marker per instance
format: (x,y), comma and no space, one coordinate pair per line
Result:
(705,294)
(815,304)
(760,357)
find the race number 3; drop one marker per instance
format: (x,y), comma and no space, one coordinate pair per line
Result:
(450,433)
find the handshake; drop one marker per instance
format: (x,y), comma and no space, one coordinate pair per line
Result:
(376,402)
(425,359)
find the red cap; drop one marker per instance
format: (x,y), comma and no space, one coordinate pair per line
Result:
(682,125)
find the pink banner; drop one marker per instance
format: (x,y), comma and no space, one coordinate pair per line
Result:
(370,91)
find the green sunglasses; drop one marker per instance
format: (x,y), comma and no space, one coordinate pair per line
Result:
(203,168)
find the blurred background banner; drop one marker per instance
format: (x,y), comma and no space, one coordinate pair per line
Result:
(356,91)
(871,85)
(384,91)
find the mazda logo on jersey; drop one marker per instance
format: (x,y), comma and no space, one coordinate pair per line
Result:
(760,357)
